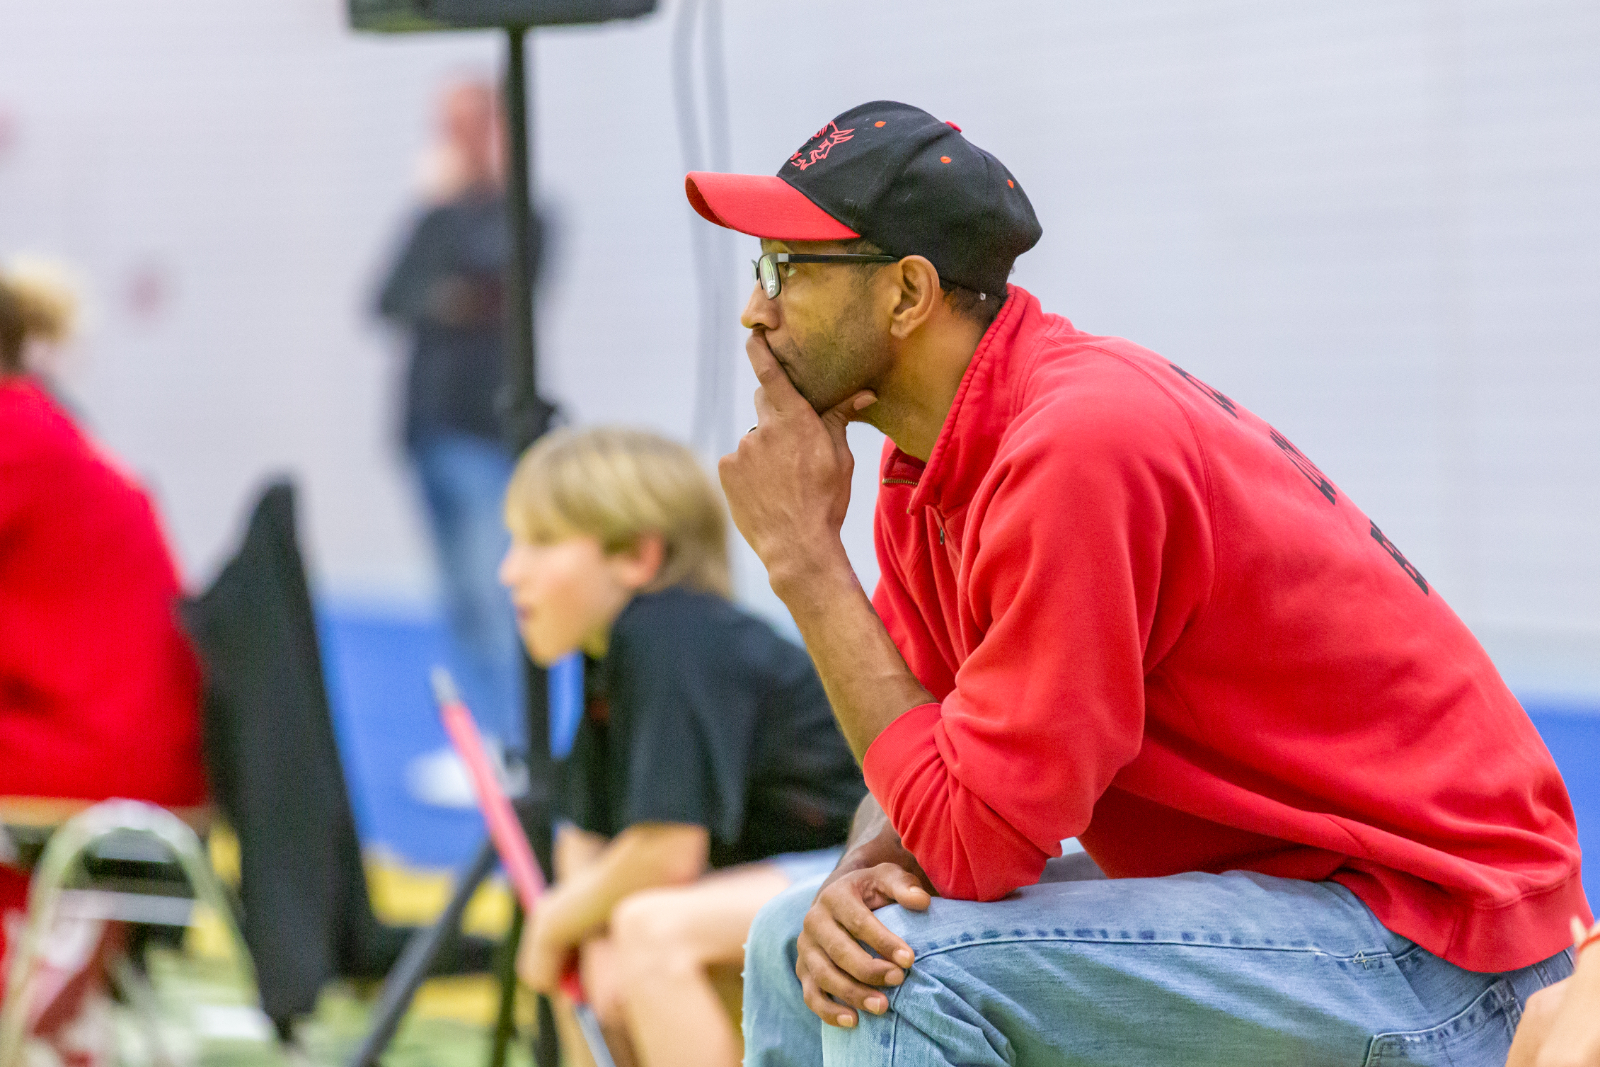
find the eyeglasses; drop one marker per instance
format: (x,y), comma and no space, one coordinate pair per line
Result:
(770,278)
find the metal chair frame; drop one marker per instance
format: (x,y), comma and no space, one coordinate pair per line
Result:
(62,860)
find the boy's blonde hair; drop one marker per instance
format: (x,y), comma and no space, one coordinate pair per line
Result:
(38,301)
(617,484)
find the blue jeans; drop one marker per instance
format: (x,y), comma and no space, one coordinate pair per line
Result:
(463,480)
(1194,969)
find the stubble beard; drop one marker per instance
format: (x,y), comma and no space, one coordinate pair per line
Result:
(830,369)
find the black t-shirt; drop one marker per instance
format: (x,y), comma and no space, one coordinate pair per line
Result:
(701,714)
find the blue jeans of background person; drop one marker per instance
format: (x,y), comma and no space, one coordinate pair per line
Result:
(463,480)
(1195,969)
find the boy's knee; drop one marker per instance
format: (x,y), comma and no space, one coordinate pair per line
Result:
(607,1005)
(769,951)
(648,932)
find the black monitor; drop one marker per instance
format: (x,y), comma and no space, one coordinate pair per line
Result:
(411,16)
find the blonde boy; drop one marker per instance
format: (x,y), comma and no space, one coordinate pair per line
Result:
(707,774)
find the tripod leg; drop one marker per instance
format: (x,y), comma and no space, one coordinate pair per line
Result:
(546,1045)
(412,968)
(506,968)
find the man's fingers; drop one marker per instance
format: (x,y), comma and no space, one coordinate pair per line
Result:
(824,1007)
(844,413)
(766,412)
(830,931)
(906,889)
(866,928)
(769,372)
(851,902)
(885,884)
(831,994)
(913,897)
(849,992)
(838,974)
(762,361)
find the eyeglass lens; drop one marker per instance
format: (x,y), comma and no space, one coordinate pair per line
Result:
(767,274)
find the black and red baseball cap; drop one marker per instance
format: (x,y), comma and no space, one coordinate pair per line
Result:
(895,175)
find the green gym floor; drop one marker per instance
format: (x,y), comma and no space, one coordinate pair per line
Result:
(204,1010)
(205,1014)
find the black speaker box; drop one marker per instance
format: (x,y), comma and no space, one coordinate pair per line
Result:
(412,16)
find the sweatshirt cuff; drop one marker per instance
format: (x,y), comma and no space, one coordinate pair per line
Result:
(897,749)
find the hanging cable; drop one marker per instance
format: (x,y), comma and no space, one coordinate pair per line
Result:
(711,248)
(722,261)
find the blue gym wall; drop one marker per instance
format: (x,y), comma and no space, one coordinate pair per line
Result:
(378,671)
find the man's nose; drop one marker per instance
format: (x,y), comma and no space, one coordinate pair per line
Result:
(759,311)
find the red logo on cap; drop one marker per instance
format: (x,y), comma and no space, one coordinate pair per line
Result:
(822,143)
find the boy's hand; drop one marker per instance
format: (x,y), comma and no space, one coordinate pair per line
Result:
(602,986)
(541,960)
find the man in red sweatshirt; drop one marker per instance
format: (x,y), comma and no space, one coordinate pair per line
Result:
(1115,606)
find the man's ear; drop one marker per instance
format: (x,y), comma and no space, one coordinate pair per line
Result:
(919,294)
(639,564)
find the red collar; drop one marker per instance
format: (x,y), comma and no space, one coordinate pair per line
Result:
(978,415)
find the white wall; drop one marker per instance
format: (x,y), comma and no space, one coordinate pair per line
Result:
(1374,223)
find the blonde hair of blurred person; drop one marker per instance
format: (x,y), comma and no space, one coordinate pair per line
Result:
(38,312)
(600,518)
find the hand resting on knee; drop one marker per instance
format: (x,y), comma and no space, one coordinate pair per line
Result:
(837,976)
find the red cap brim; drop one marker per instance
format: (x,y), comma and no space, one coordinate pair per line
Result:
(763,206)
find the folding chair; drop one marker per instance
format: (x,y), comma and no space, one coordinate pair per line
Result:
(63,860)
(275,770)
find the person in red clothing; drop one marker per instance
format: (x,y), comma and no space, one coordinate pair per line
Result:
(99,690)
(1118,607)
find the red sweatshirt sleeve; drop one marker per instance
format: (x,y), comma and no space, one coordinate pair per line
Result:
(1084,553)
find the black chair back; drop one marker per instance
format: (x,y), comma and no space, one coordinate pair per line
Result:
(273,759)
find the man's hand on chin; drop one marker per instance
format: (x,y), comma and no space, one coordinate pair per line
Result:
(788,482)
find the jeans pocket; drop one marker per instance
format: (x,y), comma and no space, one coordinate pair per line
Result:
(1479,1035)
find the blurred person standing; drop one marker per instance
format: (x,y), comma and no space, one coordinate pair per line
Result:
(99,688)
(447,289)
